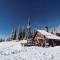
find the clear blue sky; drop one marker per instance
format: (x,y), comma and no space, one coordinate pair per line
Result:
(41,12)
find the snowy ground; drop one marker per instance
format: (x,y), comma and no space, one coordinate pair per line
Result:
(14,51)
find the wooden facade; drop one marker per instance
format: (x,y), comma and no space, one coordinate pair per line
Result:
(41,40)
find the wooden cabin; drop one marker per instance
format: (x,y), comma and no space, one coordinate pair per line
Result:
(44,38)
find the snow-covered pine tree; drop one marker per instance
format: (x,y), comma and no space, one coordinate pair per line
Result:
(20,33)
(13,34)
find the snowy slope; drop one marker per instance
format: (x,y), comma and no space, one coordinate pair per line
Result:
(14,51)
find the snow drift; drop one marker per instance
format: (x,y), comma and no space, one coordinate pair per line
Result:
(14,51)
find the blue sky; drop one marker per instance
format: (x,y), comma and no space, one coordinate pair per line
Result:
(41,12)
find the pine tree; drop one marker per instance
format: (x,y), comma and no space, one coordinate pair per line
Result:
(13,34)
(23,32)
(14,38)
(19,33)
(20,36)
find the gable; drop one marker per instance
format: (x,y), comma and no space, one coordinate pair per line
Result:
(38,35)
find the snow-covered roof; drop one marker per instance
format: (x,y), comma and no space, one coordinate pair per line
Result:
(49,35)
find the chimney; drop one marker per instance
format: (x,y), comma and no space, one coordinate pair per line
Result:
(46,29)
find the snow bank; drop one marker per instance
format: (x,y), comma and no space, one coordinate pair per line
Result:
(14,51)
(23,41)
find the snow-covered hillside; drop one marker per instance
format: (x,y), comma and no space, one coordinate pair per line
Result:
(14,51)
